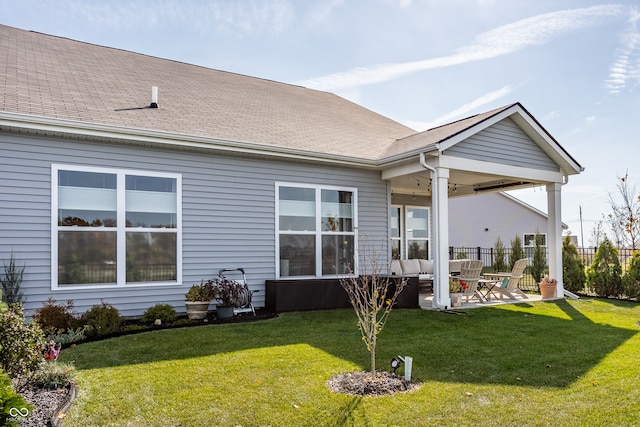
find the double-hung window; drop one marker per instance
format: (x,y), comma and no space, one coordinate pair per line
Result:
(417,232)
(530,242)
(316,230)
(115,227)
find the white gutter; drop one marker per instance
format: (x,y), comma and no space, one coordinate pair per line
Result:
(436,243)
(47,126)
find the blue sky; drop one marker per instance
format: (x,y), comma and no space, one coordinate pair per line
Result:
(574,64)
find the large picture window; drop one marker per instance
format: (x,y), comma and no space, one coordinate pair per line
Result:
(316,230)
(115,227)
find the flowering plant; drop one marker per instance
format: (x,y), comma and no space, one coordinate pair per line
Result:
(457,286)
(546,280)
(229,293)
(53,351)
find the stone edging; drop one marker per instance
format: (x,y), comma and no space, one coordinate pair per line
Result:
(56,420)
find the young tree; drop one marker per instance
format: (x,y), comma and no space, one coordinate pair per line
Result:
(372,298)
(499,252)
(573,274)
(604,275)
(517,251)
(626,214)
(597,233)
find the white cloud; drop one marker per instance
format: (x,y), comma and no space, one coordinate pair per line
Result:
(463,110)
(536,30)
(626,66)
(233,16)
(322,11)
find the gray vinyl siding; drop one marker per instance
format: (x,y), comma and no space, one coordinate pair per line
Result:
(505,143)
(228,213)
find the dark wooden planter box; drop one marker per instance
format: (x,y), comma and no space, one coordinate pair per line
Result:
(322,294)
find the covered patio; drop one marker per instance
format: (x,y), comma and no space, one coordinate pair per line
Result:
(425,300)
(503,149)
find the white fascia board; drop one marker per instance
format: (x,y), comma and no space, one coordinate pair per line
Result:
(534,127)
(53,126)
(499,169)
(402,170)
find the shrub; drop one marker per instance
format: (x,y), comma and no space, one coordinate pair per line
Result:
(11,281)
(573,274)
(498,263)
(165,312)
(56,318)
(604,275)
(631,280)
(103,319)
(54,375)
(22,344)
(10,399)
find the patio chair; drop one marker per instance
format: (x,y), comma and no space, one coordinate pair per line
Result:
(470,274)
(506,284)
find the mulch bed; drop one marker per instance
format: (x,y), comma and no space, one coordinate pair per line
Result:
(211,319)
(362,384)
(49,406)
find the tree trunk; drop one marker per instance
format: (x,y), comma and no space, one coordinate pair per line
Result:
(373,358)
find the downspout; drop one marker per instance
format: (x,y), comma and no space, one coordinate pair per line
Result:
(565,292)
(436,238)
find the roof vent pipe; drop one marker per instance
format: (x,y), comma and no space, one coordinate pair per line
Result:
(154,97)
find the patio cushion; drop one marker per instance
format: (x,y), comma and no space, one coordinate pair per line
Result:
(410,267)
(395,268)
(426,266)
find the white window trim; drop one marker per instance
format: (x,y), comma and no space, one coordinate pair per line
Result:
(405,238)
(524,239)
(120,229)
(318,232)
(400,238)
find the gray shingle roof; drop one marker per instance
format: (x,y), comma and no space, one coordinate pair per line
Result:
(55,77)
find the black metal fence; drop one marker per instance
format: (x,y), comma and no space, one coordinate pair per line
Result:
(487,256)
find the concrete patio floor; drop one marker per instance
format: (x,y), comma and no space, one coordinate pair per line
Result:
(426,301)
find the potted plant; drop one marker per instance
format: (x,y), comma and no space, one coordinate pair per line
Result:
(456,289)
(548,287)
(228,293)
(197,300)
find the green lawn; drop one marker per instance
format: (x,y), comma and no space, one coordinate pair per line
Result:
(561,363)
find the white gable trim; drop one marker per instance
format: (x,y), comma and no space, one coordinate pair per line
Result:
(523,119)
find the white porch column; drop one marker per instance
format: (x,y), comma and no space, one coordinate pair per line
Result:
(554,235)
(440,194)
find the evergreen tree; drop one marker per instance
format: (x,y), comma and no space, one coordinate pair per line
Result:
(604,276)
(539,262)
(499,252)
(517,251)
(573,274)
(631,279)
